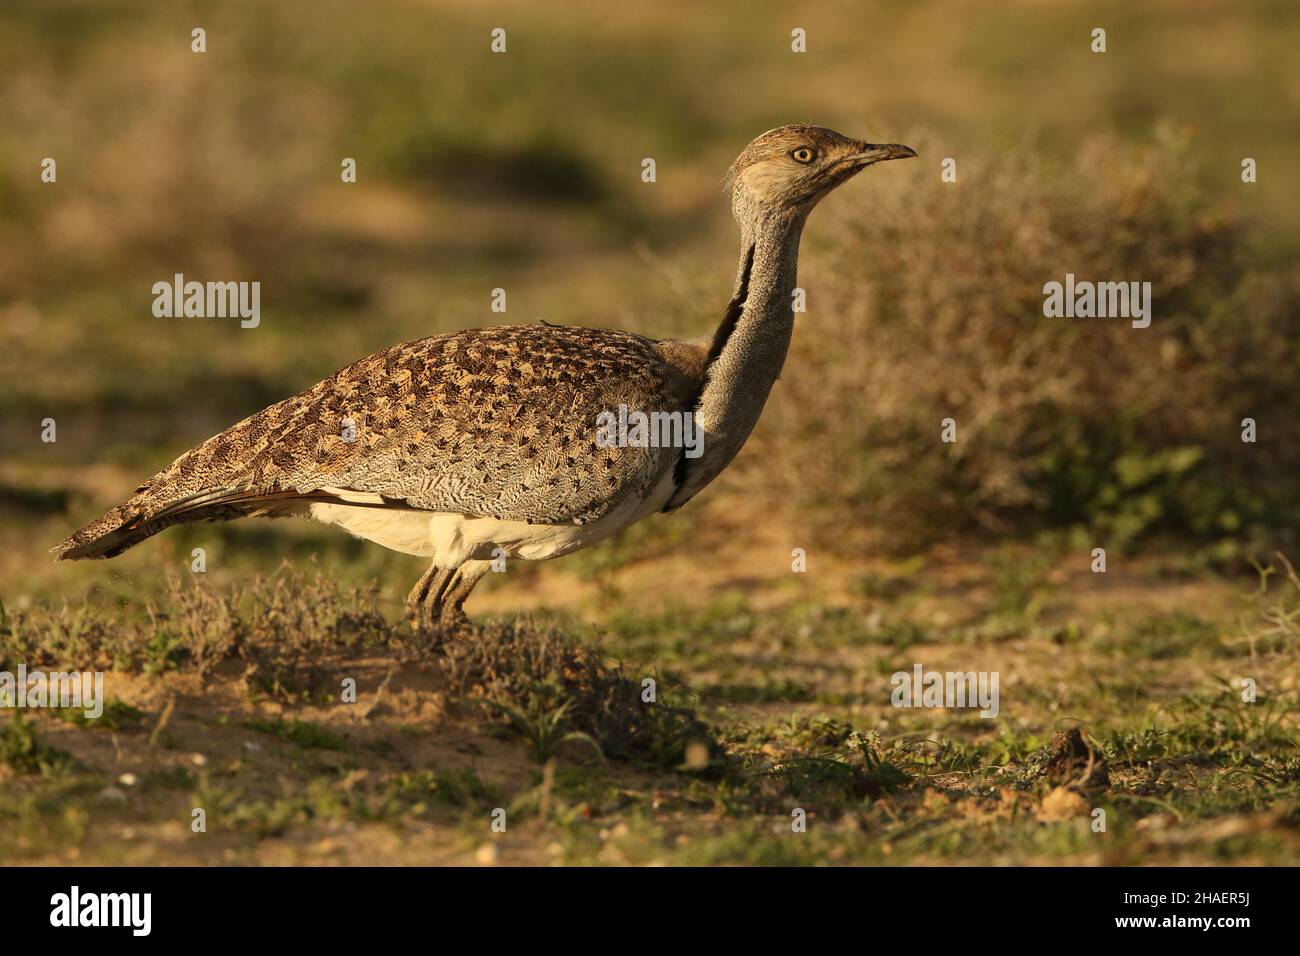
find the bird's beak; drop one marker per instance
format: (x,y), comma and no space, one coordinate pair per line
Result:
(878,154)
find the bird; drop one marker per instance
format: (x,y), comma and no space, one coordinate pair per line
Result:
(467,447)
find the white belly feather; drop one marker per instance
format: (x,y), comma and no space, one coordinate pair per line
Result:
(452,539)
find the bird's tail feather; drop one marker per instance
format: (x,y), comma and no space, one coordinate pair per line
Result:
(140,517)
(143,515)
(108,535)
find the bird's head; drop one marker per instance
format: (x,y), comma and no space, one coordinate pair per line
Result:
(791,168)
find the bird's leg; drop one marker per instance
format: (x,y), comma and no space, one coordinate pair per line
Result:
(467,575)
(417,596)
(424,603)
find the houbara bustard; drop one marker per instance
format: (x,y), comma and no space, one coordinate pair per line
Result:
(469,446)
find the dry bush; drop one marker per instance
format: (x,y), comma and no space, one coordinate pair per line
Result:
(280,624)
(536,669)
(285,630)
(928,304)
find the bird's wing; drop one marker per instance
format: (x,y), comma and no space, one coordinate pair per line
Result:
(498,422)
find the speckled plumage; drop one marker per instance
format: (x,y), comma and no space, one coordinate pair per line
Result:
(497,422)
(462,446)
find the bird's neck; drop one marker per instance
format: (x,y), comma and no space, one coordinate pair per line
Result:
(750,345)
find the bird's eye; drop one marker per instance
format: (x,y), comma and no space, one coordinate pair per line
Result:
(804,154)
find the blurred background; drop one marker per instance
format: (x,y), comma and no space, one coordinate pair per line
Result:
(522,171)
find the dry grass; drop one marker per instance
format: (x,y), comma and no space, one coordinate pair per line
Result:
(544,680)
(1132,711)
(277,623)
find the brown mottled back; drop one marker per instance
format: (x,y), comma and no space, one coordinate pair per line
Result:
(497,422)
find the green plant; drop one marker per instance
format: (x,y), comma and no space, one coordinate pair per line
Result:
(547,730)
(24,753)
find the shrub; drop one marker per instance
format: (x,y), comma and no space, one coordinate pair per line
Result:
(928,304)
